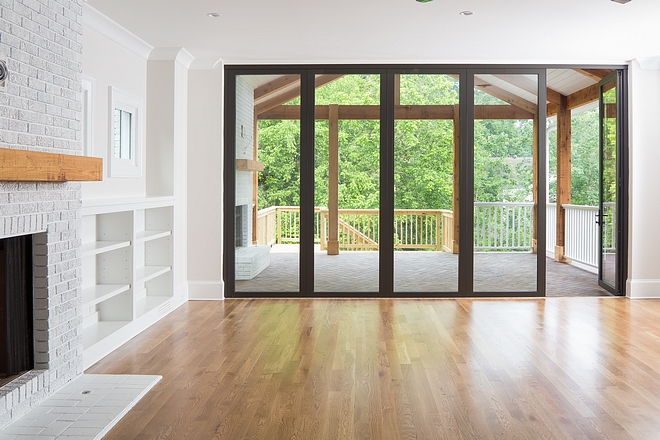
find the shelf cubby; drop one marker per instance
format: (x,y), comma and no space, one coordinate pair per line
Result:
(127,270)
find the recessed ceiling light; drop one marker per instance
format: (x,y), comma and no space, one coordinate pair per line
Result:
(466,12)
(621,1)
(213,14)
(424,1)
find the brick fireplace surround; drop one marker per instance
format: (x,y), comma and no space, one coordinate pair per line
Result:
(40,110)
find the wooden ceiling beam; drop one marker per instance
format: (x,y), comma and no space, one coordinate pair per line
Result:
(291,94)
(582,97)
(530,86)
(553,96)
(275,86)
(412,112)
(508,97)
(503,95)
(595,74)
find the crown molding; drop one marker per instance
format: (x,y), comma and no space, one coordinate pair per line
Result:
(648,63)
(206,63)
(178,54)
(111,29)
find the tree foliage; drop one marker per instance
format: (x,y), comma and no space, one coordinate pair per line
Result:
(424,153)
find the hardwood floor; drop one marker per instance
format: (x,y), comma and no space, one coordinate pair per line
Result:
(555,368)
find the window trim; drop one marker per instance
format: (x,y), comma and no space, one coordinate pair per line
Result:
(125,168)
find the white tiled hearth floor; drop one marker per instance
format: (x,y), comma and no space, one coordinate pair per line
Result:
(86,408)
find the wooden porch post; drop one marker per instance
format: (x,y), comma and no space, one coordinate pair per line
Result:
(333,180)
(457,167)
(563,174)
(535,185)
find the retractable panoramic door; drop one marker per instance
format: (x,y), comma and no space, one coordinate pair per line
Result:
(611,183)
(507,152)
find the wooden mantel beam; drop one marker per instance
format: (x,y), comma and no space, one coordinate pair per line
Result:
(32,166)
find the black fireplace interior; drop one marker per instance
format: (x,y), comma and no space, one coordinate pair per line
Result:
(239,233)
(16,324)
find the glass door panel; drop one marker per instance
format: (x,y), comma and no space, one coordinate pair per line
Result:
(267,219)
(426,145)
(607,215)
(505,182)
(347,183)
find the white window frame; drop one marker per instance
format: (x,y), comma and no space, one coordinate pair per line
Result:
(125,168)
(87,129)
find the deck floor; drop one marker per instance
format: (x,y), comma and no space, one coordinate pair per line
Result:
(421,272)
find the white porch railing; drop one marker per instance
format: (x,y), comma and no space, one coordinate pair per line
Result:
(582,232)
(581,240)
(502,226)
(497,227)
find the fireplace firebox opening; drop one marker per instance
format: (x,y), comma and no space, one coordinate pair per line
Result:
(16,307)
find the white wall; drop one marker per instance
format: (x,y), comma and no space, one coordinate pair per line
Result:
(205,89)
(644,212)
(111,64)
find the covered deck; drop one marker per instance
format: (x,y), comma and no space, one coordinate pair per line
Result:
(359,273)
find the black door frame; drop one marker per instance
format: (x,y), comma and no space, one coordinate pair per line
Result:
(386,248)
(621,269)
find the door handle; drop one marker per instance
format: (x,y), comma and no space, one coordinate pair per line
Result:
(599,216)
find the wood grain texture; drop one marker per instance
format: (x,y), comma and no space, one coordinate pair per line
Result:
(414,112)
(556,368)
(249,165)
(33,166)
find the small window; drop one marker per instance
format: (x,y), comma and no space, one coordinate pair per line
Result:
(125,134)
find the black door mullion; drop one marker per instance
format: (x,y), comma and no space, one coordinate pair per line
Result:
(622,197)
(541,188)
(466,190)
(229,185)
(307,110)
(386,217)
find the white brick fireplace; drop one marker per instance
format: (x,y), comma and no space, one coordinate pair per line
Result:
(40,110)
(250,259)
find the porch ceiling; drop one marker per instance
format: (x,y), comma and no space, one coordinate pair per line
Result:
(561,81)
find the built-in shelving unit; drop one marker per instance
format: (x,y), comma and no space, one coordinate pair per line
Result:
(127,256)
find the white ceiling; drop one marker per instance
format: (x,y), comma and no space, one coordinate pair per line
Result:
(396,31)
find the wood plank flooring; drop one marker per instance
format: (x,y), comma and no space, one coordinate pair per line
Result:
(554,368)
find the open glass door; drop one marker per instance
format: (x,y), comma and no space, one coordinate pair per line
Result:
(610,182)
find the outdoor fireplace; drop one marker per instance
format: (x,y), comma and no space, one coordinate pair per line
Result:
(241,226)
(16,307)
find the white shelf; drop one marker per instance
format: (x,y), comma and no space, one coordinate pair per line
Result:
(129,250)
(99,247)
(143,236)
(99,331)
(146,273)
(99,293)
(148,303)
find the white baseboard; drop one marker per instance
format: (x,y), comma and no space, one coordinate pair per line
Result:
(206,290)
(643,289)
